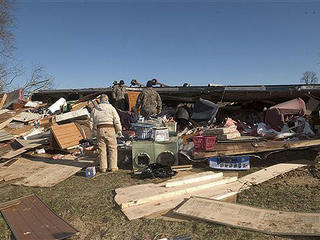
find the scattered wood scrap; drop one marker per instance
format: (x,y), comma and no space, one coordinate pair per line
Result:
(26,117)
(30,218)
(6,118)
(65,136)
(75,115)
(181,167)
(19,129)
(250,218)
(219,192)
(15,153)
(135,201)
(5,136)
(227,149)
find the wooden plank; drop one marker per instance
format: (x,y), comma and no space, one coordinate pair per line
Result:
(79,114)
(3,100)
(177,192)
(255,178)
(194,178)
(225,149)
(250,218)
(20,151)
(30,218)
(217,192)
(5,136)
(66,135)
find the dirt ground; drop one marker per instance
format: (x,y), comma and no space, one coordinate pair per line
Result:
(89,206)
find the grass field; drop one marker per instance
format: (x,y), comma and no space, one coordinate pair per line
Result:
(88,203)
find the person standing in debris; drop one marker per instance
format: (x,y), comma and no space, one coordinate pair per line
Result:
(107,122)
(149,101)
(120,95)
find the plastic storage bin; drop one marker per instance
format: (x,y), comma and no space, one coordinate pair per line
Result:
(204,143)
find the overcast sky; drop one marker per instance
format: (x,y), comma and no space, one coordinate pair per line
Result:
(92,43)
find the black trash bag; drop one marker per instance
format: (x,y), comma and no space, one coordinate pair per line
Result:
(157,170)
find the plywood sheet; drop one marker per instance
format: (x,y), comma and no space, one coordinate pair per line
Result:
(241,216)
(132,97)
(30,218)
(26,117)
(66,135)
(41,171)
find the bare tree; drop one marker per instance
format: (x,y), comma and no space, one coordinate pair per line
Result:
(309,78)
(8,72)
(6,24)
(39,80)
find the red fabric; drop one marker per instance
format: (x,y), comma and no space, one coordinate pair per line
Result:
(276,115)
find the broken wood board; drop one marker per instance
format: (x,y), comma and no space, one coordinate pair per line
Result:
(78,106)
(229,149)
(178,191)
(220,131)
(6,118)
(250,218)
(5,136)
(221,192)
(3,100)
(41,171)
(19,131)
(194,179)
(20,151)
(30,218)
(26,117)
(66,135)
(228,136)
(181,168)
(79,114)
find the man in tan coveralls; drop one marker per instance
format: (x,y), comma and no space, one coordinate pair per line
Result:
(149,101)
(107,122)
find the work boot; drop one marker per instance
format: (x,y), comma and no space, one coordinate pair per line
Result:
(114,169)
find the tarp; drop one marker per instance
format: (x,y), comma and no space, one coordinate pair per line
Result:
(204,110)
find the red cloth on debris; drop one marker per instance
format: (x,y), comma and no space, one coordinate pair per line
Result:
(276,115)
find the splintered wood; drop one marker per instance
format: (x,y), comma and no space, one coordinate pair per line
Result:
(66,135)
(146,199)
(262,220)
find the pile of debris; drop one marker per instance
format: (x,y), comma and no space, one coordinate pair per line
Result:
(42,144)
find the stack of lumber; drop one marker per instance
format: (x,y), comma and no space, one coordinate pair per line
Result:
(223,133)
(147,199)
(143,200)
(229,149)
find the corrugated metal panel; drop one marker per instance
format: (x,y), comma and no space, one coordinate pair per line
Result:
(29,218)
